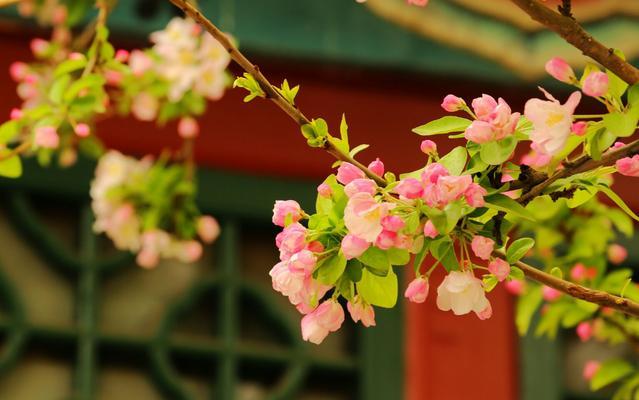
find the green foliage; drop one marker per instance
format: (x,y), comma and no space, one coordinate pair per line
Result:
(610,371)
(498,152)
(455,160)
(315,132)
(331,269)
(527,305)
(10,167)
(377,290)
(287,92)
(443,125)
(518,249)
(500,202)
(248,82)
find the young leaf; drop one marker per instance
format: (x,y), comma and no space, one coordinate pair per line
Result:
(526,307)
(249,83)
(455,161)
(288,93)
(10,167)
(609,372)
(377,259)
(518,249)
(618,200)
(331,269)
(443,125)
(378,291)
(504,203)
(497,152)
(490,281)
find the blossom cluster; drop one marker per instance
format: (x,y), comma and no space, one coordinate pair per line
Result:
(129,214)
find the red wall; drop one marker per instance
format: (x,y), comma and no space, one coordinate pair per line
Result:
(447,357)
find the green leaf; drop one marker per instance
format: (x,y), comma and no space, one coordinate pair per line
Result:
(633,96)
(86,82)
(8,131)
(69,66)
(622,222)
(610,372)
(58,88)
(443,250)
(616,86)
(497,152)
(248,82)
(331,269)
(504,203)
(490,281)
(443,125)
(620,124)
(358,149)
(455,161)
(288,93)
(618,200)
(526,307)
(376,259)
(10,167)
(518,249)
(343,129)
(379,291)
(550,320)
(398,256)
(516,273)
(557,272)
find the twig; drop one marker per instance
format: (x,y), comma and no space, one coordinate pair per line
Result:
(577,291)
(270,91)
(569,29)
(582,164)
(23,147)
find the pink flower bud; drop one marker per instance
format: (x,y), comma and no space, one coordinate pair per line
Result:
(363,185)
(559,69)
(550,294)
(347,172)
(113,78)
(409,188)
(377,167)
(595,84)
(386,239)
(480,132)
(82,130)
(428,147)
(393,223)
(147,259)
(453,103)
(139,62)
(482,246)
(628,166)
(617,145)
(286,209)
(515,287)
(303,262)
(188,128)
(327,317)
(584,331)
(617,253)
(353,246)
(208,229)
(324,190)
(39,47)
(417,290)
(499,268)
(122,55)
(475,195)
(579,128)
(76,56)
(16,113)
(486,313)
(590,369)
(430,230)
(578,272)
(361,311)
(18,71)
(484,106)
(189,251)
(46,137)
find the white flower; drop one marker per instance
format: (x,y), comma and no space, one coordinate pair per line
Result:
(461,292)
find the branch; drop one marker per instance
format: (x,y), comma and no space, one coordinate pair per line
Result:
(23,147)
(569,29)
(270,91)
(599,297)
(580,165)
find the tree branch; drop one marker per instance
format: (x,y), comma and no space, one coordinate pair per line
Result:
(270,91)
(599,297)
(569,29)
(580,165)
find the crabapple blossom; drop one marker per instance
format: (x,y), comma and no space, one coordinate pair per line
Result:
(461,292)
(617,253)
(417,290)
(360,185)
(353,247)
(46,137)
(363,216)
(429,230)
(188,128)
(559,69)
(377,167)
(515,287)
(324,190)
(327,317)
(428,147)
(552,121)
(579,128)
(482,246)
(499,268)
(595,84)
(360,311)
(628,166)
(347,172)
(495,120)
(82,130)
(550,294)
(453,103)
(286,209)
(208,228)
(578,272)
(590,369)
(584,331)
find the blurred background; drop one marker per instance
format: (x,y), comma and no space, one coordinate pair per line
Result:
(79,320)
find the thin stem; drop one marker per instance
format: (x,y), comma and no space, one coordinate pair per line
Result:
(570,30)
(599,297)
(22,148)
(271,93)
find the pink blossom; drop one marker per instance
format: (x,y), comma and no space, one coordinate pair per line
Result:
(18,71)
(479,132)
(208,228)
(552,121)
(284,209)
(536,159)
(579,128)
(584,331)
(475,195)
(499,268)
(347,172)
(286,281)
(461,292)
(590,369)
(430,230)
(550,294)
(419,3)
(617,253)
(377,167)
(139,62)
(559,69)
(432,173)
(113,78)
(486,313)
(428,147)
(145,106)
(484,106)
(76,56)
(495,120)
(596,84)
(122,55)
(515,287)
(303,262)
(353,247)
(188,128)
(324,190)
(617,145)
(327,317)
(291,240)
(39,47)
(452,188)
(363,216)
(46,137)
(16,113)
(409,188)
(482,246)
(393,223)
(628,166)
(417,290)
(453,103)
(578,272)
(82,130)
(386,239)
(360,311)
(360,185)
(147,259)
(189,251)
